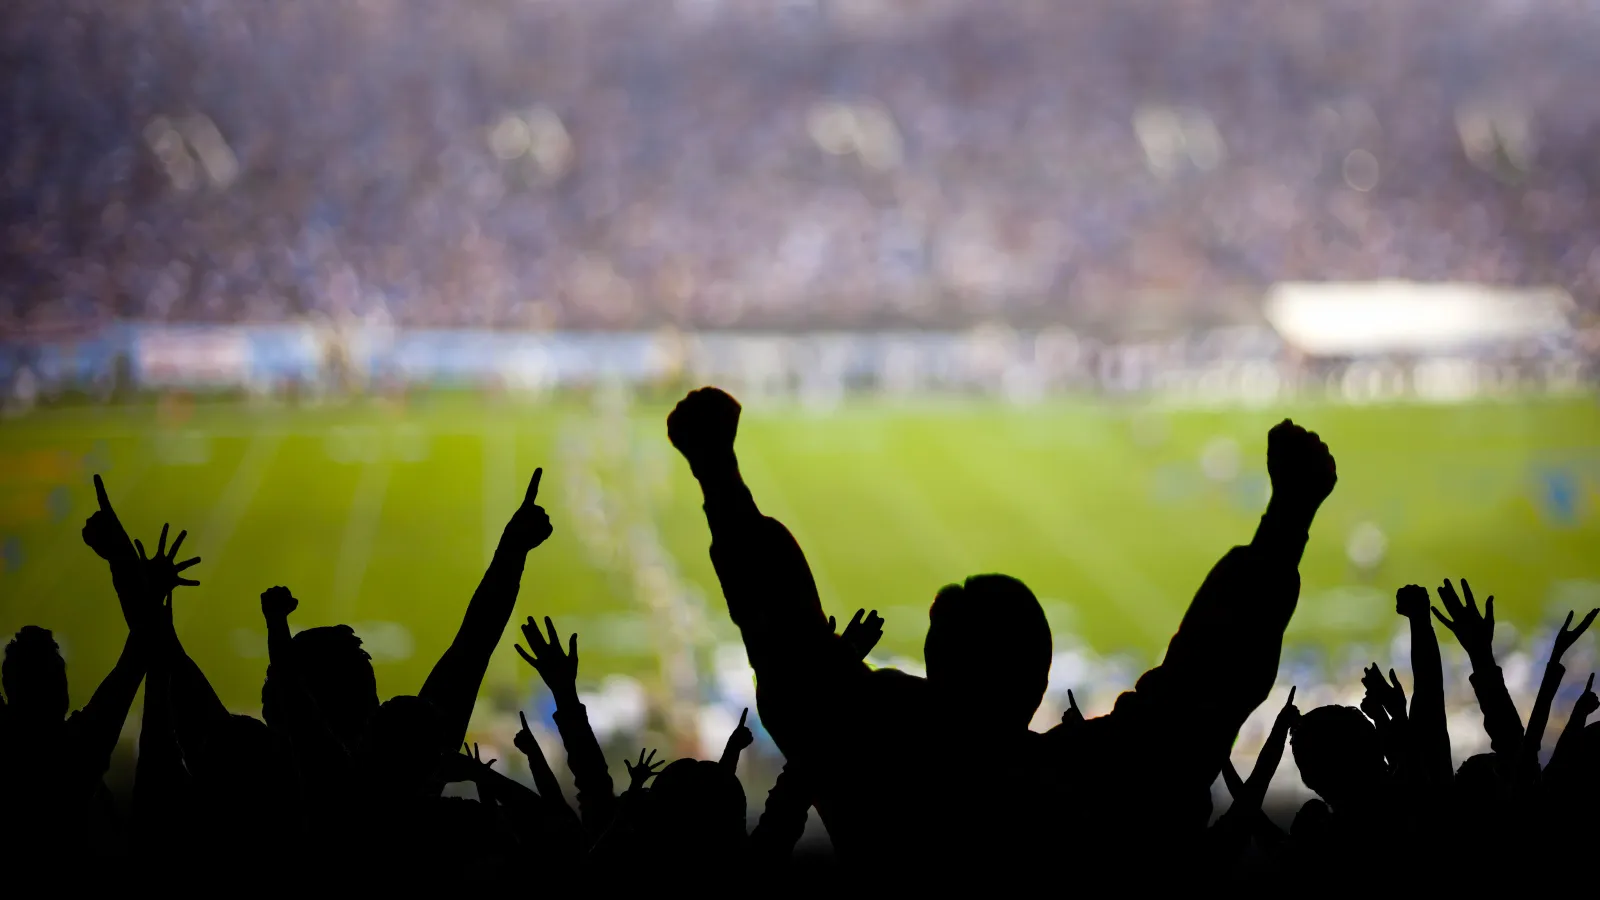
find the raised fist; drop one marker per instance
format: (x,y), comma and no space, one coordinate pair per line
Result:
(703,426)
(1411,601)
(1301,468)
(530,524)
(278,603)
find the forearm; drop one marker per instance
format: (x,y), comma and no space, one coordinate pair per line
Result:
(1284,529)
(107,711)
(1500,718)
(452,686)
(1539,718)
(1427,729)
(1267,763)
(159,776)
(1565,759)
(783,820)
(597,802)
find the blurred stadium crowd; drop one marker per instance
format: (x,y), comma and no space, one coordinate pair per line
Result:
(625,164)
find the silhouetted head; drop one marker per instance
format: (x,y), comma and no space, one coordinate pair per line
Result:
(237,756)
(989,647)
(35,677)
(399,752)
(697,808)
(1337,751)
(1479,788)
(339,675)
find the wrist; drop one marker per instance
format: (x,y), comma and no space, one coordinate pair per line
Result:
(715,467)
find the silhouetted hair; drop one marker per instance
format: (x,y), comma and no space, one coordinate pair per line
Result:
(990,636)
(1336,749)
(339,675)
(34,675)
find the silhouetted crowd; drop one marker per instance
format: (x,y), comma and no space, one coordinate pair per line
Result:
(585,164)
(927,783)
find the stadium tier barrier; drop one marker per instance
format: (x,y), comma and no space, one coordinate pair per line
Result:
(1230,365)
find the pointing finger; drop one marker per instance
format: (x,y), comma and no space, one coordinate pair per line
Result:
(743,716)
(100,494)
(533,487)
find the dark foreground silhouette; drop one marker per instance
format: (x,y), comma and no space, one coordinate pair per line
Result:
(924,782)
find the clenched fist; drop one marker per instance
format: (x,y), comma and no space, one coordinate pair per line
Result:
(1300,465)
(703,426)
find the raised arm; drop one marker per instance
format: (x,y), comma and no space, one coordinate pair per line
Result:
(1553,673)
(1565,765)
(1428,735)
(452,686)
(768,585)
(320,757)
(1222,662)
(1475,631)
(96,728)
(597,802)
(783,819)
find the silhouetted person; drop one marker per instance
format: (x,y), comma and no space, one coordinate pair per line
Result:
(864,736)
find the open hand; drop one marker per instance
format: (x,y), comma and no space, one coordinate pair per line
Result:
(468,765)
(1300,465)
(103,531)
(1388,695)
(1474,630)
(703,425)
(530,524)
(641,772)
(1568,635)
(559,670)
(861,635)
(162,572)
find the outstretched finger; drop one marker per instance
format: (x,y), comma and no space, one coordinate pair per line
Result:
(1590,686)
(1442,620)
(161,545)
(100,494)
(535,636)
(140,547)
(833,626)
(177,543)
(186,564)
(188,582)
(572,648)
(1292,689)
(533,487)
(1488,611)
(524,718)
(1587,621)
(1072,702)
(551,627)
(525,657)
(1567,625)
(744,715)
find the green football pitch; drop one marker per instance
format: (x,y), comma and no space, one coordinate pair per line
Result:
(383,517)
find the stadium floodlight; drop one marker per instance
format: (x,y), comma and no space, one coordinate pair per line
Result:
(1360,319)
